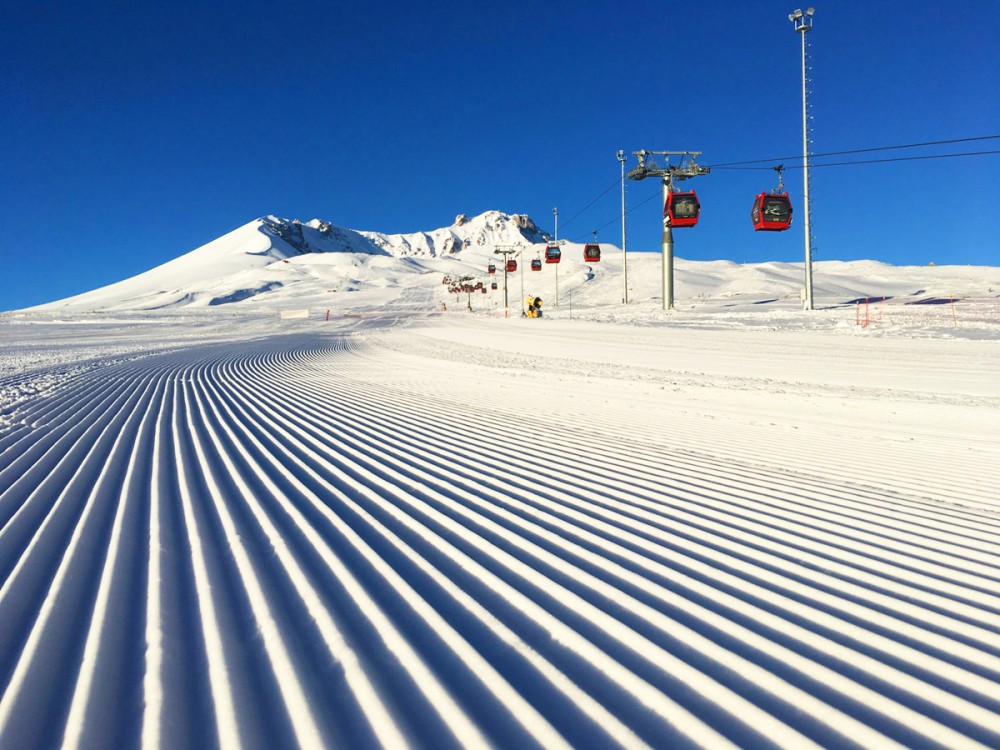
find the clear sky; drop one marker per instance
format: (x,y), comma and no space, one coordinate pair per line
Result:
(134,132)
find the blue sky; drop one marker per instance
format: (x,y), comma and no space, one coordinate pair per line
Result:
(136,131)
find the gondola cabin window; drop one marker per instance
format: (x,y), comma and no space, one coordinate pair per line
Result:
(772,212)
(683,209)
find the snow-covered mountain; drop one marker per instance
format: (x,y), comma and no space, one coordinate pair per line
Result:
(274,264)
(256,258)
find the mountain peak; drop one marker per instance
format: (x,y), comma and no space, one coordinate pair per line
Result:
(483,231)
(292,237)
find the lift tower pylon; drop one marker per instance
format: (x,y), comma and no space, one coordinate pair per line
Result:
(668,174)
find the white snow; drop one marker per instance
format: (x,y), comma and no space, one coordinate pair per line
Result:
(403,522)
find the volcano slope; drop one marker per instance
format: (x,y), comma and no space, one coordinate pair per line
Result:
(470,533)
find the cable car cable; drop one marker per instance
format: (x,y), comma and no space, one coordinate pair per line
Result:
(618,218)
(613,184)
(860,150)
(874,161)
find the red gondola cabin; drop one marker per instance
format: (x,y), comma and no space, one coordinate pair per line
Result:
(682,209)
(592,253)
(536,265)
(511,265)
(491,268)
(772,212)
(553,254)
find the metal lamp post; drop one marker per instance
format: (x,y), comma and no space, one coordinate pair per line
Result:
(521,269)
(803,23)
(621,159)
(555,212)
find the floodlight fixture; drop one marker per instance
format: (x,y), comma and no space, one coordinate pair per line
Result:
(802,21)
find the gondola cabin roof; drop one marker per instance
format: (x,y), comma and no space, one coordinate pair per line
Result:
(771,212)
(682,208)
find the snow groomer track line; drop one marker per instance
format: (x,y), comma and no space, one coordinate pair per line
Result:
(311,542)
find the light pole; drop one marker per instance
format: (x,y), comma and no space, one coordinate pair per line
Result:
(521,269)
(621,159)
(803,24)
(555,212)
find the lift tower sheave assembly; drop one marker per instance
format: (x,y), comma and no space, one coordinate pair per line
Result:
(669,175)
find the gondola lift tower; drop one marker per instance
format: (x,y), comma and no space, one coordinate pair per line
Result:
(670,174)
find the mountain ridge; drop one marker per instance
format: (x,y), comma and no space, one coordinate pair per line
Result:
(231,268)
(486,229)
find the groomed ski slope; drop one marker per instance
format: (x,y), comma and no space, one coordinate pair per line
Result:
(471,532)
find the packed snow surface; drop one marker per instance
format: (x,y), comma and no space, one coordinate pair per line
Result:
(399,522)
